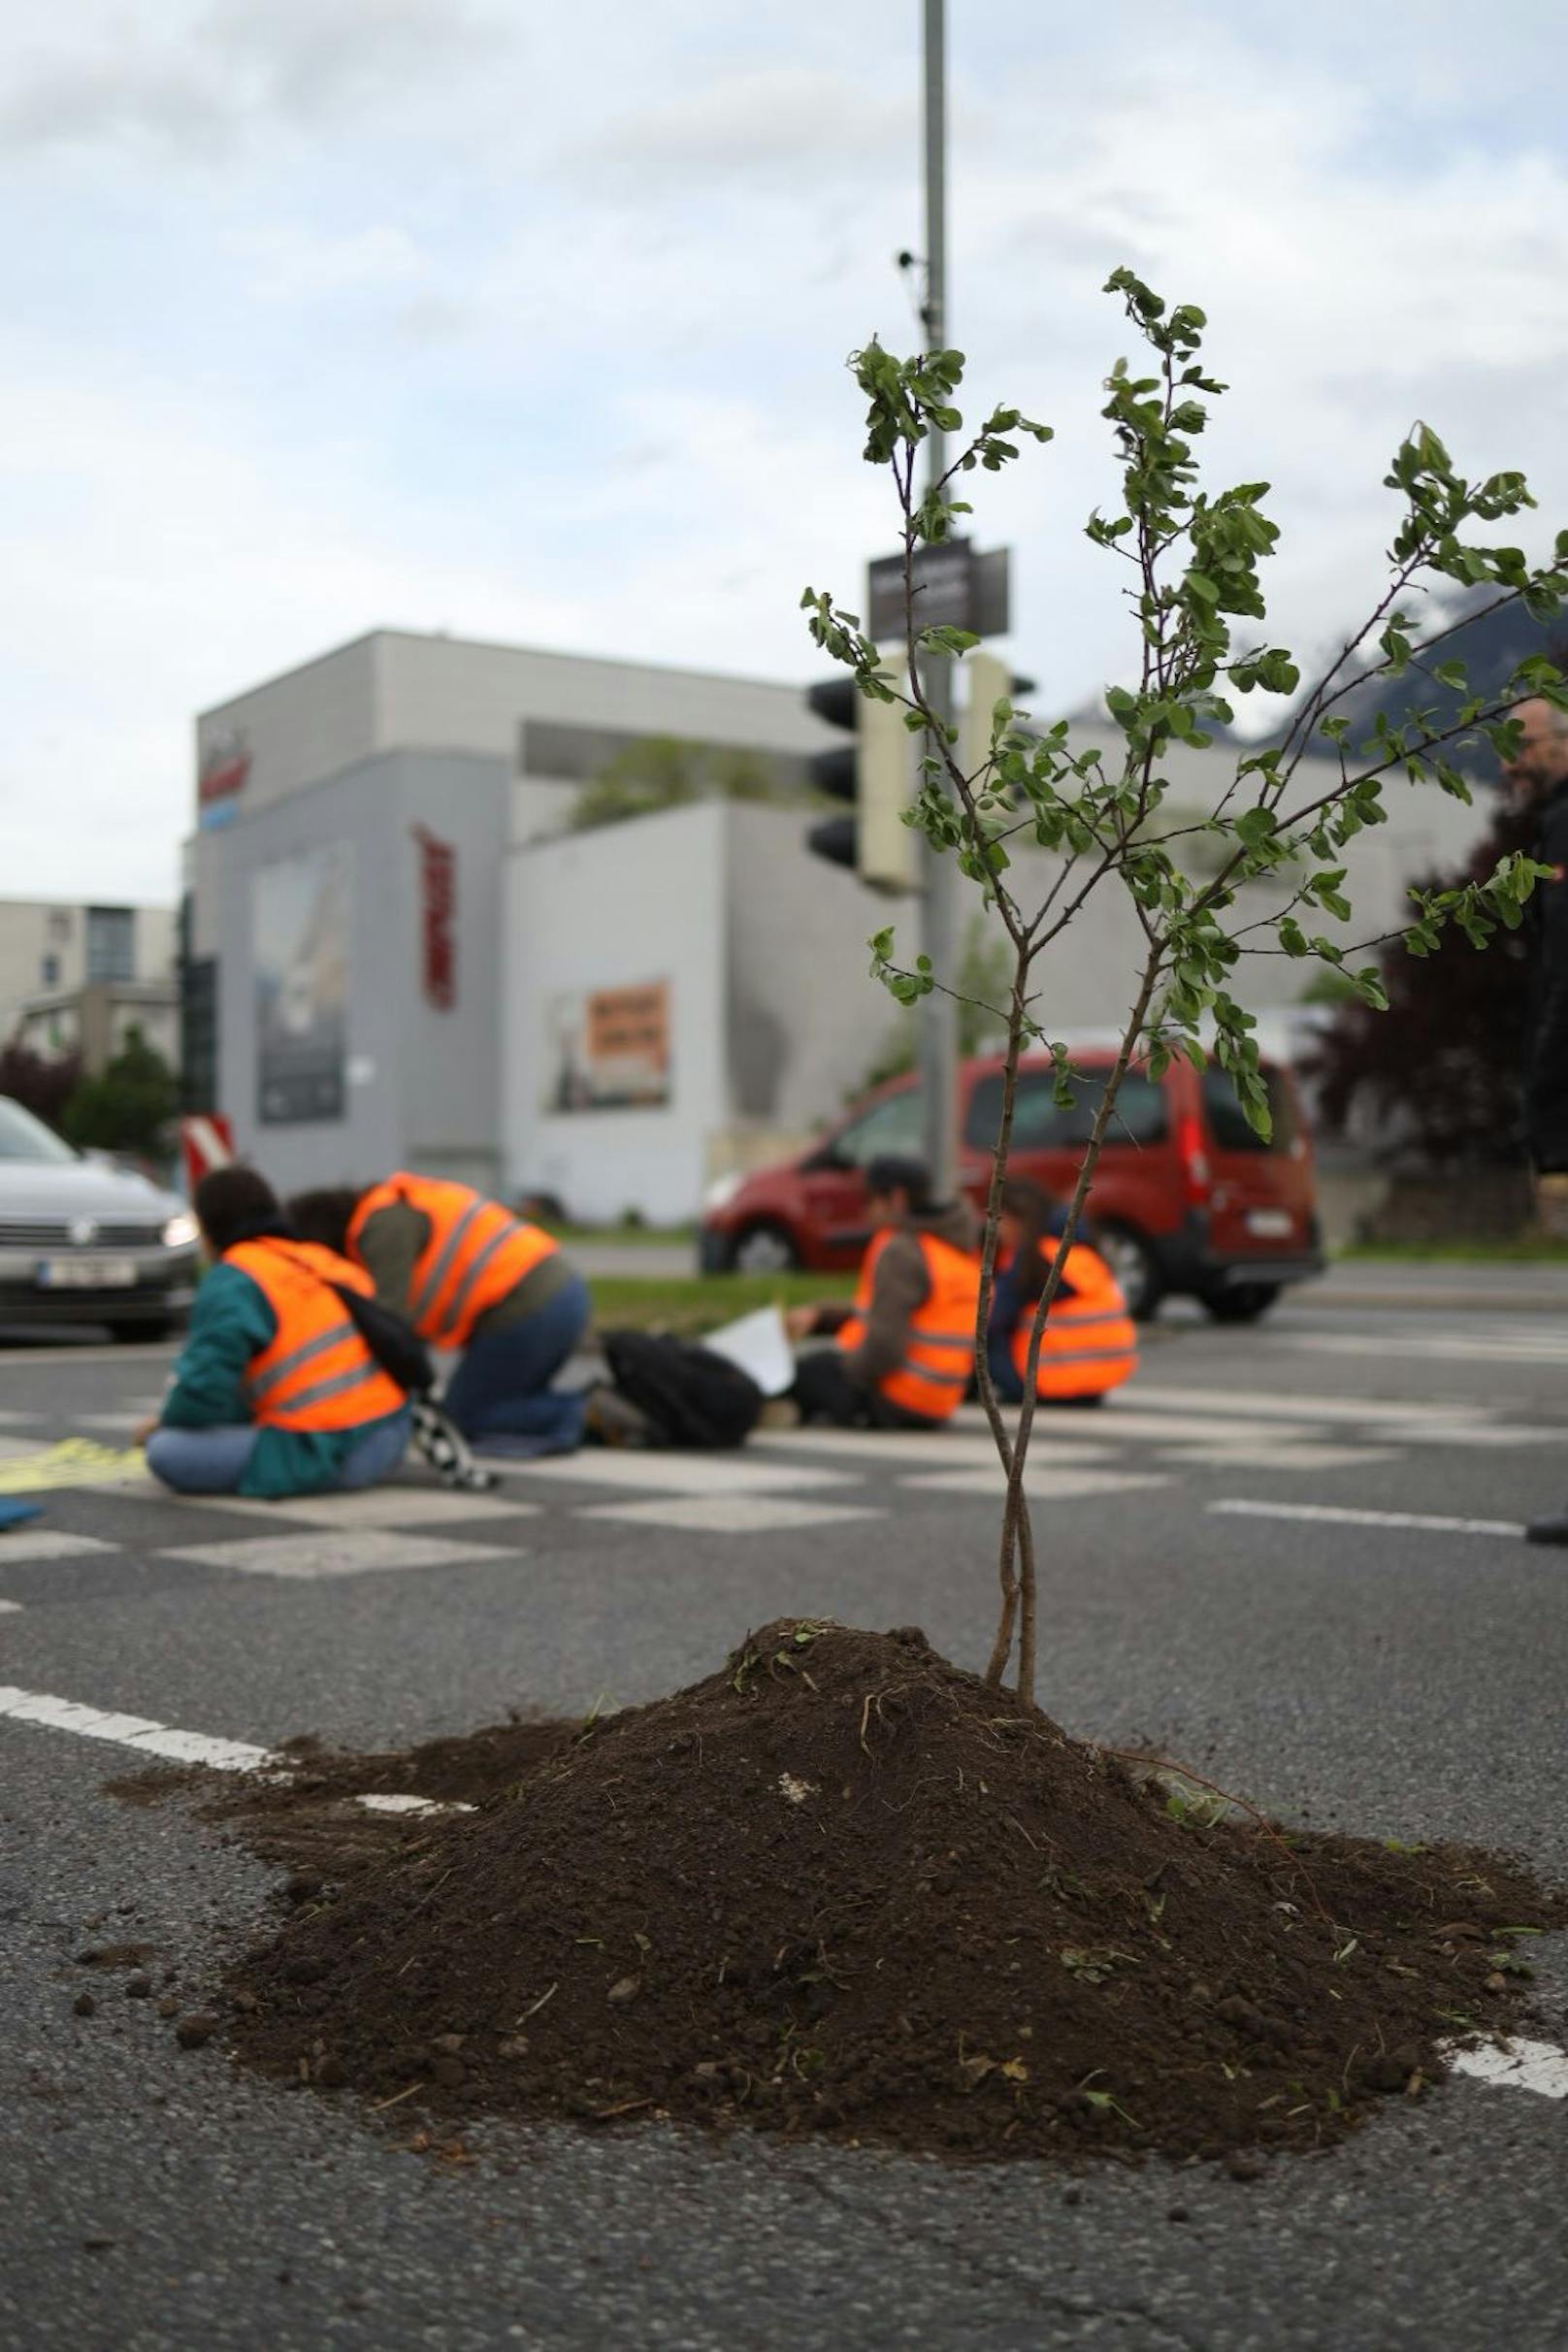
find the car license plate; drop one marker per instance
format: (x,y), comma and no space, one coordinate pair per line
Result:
(1270,1224)
(88,1274)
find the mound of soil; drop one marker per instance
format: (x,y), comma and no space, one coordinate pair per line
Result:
(840,1886)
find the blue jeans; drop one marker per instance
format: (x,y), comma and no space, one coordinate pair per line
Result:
(501,1387)
(215,1461)
(1004,1373)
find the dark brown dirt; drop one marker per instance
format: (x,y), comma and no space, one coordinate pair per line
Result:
(841,1887)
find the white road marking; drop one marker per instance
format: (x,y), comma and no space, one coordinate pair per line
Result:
(9,1608)
(938,1448)
(1338,1514)
(137,1732)
(731,1514)
(1254,1404)
(1521,2066)
(1260,1453)
(395,1507)
(1480,1433)
(1040,1479)
(48,1544)
(356,1552)
(671,1473)
(1452,1347)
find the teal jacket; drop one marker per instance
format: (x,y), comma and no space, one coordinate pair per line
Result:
(230,1326)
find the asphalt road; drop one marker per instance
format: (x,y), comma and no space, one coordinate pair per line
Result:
(1399,1679)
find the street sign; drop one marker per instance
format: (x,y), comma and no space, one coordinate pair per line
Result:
(954,588)
(206,1143)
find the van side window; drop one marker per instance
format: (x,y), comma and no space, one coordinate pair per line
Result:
(1227,1121)
(895,1126)
(1039,1126)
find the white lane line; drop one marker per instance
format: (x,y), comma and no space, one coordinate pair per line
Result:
(1466,1348)
(352,1551)
(1254,1404)
(136,1732)
(670,1473)
(1337,1514)
(1429,1423)
(1040,1479)
(396,1508)
(1259,1454)
(9,1608)
(49,1544)
(734,1514)
(1520,2066)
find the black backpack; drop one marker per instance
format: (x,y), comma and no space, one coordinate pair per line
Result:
(690,1395)
(395,1344)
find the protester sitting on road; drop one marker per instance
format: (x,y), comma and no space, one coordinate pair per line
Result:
(274,1393)
(904,1351)
(469,1275)
(1090,1344)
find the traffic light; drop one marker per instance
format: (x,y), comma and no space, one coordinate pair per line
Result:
(987,680)
(874,771)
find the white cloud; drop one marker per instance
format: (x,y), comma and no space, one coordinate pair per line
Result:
(397,321)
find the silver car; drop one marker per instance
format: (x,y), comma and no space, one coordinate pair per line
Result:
(84,1242)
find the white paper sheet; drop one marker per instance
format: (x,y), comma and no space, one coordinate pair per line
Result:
(761,1346)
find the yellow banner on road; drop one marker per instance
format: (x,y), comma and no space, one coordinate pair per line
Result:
(76,1461)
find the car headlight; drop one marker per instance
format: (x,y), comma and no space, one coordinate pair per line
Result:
(180,1231)
(723,1190)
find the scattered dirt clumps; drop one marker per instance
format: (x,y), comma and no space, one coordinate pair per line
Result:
(841,1887)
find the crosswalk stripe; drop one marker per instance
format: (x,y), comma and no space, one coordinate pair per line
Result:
(137,1732)
(1341,1515)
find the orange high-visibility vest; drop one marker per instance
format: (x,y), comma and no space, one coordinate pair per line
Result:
(934,1378)
(477,1251)
(316,1373)
(1090,1344)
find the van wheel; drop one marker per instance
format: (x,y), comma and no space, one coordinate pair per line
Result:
(1243,1303)
(764,1249)
(1135,1267)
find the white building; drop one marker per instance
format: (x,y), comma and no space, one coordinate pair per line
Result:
(401,951)
(75,978)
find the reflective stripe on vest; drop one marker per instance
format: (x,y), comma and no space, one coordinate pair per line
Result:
(477,1252)
(1096,1313)
(317,1374)
(934,1378)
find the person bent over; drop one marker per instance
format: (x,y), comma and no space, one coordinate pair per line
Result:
(470,1276)
(1090,1344)
(904,1351)
(274,1393)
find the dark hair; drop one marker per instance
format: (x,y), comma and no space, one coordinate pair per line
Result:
(325,1216)
(237,1204)
(896,1172)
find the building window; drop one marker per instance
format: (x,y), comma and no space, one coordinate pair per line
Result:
(60,923)
(50,972)
(111,943)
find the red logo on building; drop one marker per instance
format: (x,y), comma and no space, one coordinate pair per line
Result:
(437,898)
(226,765)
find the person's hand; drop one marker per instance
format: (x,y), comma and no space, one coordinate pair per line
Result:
(800,1321)
(139,1437)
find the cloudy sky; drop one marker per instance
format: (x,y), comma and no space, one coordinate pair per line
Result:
(528,323)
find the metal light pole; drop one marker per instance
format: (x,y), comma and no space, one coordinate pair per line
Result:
(939,1030)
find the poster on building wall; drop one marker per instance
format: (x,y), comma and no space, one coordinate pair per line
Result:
(608,1049)
(301,912)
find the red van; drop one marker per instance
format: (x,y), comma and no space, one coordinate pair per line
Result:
(1186,1198)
